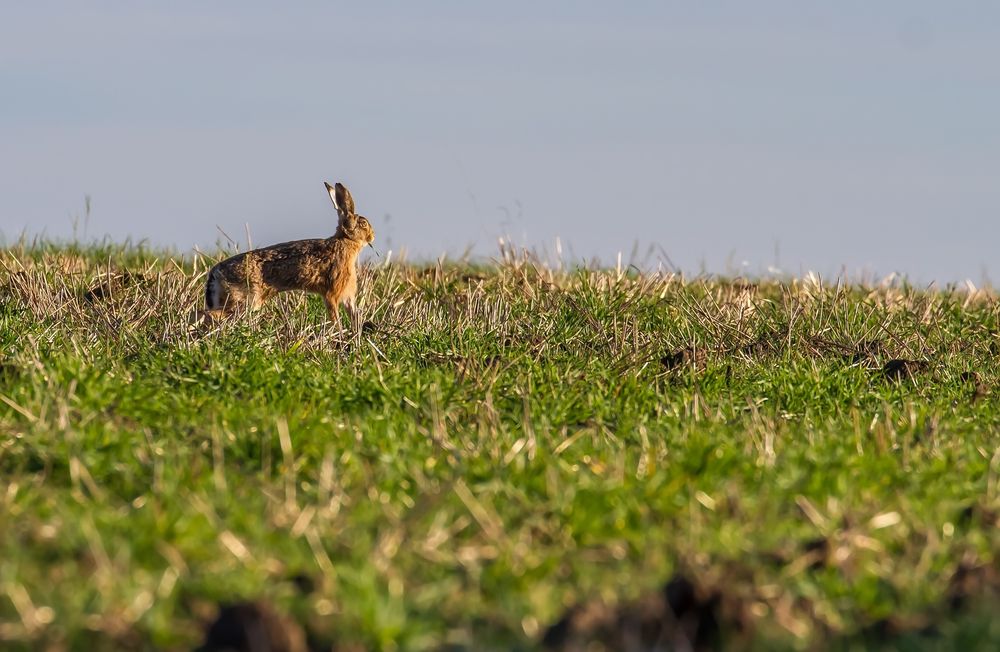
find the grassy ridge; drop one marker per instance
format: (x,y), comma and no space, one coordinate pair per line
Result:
(499,443)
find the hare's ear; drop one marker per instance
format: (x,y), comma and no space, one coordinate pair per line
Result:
(341,198)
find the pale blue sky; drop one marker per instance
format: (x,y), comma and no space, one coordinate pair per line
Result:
(846,135)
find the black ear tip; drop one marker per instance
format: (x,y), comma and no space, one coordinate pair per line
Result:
(328,186)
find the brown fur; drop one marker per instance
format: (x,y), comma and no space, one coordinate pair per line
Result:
(327,267)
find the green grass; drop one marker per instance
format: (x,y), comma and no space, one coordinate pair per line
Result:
(503,442)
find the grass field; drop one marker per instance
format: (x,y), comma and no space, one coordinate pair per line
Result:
(499,443)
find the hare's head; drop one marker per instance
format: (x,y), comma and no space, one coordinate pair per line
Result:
(351,225)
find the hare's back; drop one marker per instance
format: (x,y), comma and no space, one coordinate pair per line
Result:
(297,265)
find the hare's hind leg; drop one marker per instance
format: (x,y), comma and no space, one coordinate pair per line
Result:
(211,317)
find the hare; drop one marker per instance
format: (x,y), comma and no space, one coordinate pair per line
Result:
(327,267)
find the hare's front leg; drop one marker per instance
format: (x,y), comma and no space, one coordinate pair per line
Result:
(332,306)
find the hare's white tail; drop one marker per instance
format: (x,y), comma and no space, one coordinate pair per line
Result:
(212,293)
